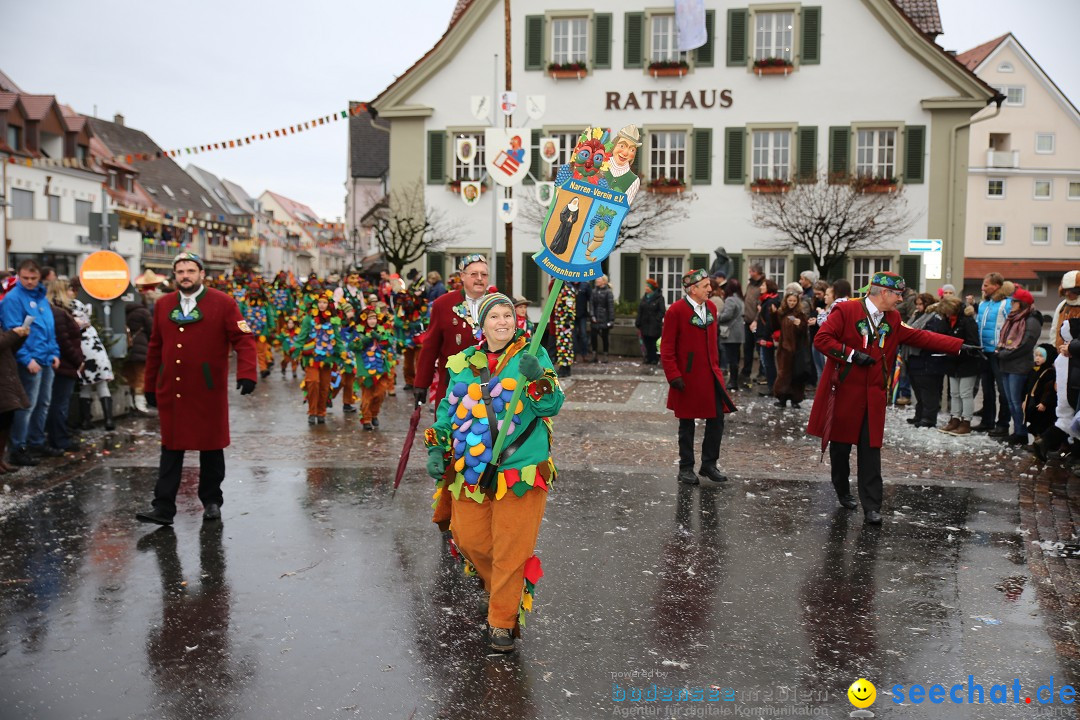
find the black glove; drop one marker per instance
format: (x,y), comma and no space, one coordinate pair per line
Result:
(151,398)
(421,395)
(860,358)
(245,386)
(530,368)
(677,383)
(436,463)
(972,350)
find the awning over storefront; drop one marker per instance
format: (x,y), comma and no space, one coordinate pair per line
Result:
(1017,269)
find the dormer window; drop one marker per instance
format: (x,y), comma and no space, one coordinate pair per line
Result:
(206,202)
(168,191)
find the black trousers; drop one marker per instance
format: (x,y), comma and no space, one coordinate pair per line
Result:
(651,356)
(710,444)
(211,475)
(869,465)
(927,389)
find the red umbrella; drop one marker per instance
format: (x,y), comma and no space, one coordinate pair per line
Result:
(409,436)
(830,408)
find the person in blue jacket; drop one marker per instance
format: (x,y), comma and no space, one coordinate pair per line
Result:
(37,358)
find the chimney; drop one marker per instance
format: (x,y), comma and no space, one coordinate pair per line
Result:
(118,119)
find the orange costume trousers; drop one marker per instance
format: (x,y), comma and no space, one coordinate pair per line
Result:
(411,354)
(263,354)
(371,398)
(497,537)
(317,386)
(348,388)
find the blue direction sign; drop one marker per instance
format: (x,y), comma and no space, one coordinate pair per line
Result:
(925,246)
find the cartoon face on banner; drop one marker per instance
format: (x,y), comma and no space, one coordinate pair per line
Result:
(592,196)
(470,192)
(465,149)
(507,154)
(545,192)
(549,149)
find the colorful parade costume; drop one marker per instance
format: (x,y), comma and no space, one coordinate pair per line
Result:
(319,350)
(411,319)
(495,525)
(375,359)
(286,340)
(262,319)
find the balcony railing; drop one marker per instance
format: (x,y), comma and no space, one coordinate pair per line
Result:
(1003,158)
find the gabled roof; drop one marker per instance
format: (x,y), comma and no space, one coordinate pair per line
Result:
(156,175)
(8,100)
(7,84)
(72,120)
(369,146)
(974,57)
(925,15)
(240,196)
(298,211)
(37,106)
(212,184)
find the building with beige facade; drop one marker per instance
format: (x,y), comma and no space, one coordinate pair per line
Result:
(1023,212)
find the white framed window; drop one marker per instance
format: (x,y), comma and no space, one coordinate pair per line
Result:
(995,187)
(129,183)
(995,234)
(569,40)
(1040,234)
(1043,189)
(1044,143)
(667,155)
(112,179)
(1014,94)
(863,269)
(771,156)
(22,204)
(774,268)
(14,137)
(875,153)
(1036,287)
(1072,235)
(774,34)
(665,39)
(567,141)
(667,270)
(82,212)
(54,208)
(473,170)
(1074,189)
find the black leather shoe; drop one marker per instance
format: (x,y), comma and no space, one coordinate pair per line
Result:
(46,451)
(687,476)
(158,517)
(212,512)
(713,474)
(912,420)
(873,517)
(500,639)
(999,432)
(982,427)
(849,502)
(21,457)
(924,423)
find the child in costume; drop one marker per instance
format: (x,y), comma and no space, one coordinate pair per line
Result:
(497,507)
(260,317)
(286,340)
(350,332)
(521,315)
(411,321)
(319,350)
(375,348)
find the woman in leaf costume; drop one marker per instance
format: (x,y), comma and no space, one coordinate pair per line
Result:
(319,350)
(376,355)
(496,507)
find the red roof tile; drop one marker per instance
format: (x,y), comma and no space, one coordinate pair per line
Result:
(1017,269)
(8,100)
(37,106)
(974,57)
(924,13)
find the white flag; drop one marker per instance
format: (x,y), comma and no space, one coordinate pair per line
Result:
(690,21)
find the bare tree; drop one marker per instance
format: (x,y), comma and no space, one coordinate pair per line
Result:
(829,220)
(648,220)
(406,227)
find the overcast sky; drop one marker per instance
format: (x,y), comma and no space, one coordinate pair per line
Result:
(200,72)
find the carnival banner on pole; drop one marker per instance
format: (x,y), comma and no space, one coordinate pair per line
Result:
(470,192)
(508,209)
(549,149)
(545,193)
(591,200)
(506,154)
(465,149)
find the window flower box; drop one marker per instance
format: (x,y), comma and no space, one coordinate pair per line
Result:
(669,68)
(773,66)
(770,186)
(568,71)
(872,185)
(664,186)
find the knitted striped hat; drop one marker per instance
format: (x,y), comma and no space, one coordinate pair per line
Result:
(489,301)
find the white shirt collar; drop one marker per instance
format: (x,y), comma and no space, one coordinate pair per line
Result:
(187,302)
(699,308)
(474,307)
(873,310)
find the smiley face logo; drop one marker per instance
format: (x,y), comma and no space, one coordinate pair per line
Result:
(862,693)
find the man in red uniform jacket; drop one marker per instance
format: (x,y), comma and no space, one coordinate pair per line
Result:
(860,340)
(452,329)
(691,359)
(187,367)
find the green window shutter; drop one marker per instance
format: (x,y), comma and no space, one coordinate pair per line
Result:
(734,156)
(702,174)
(530,277)
(807,171)
(436,161)
(630,270)
(602,41)
(914,150)
(705,56)
(836,269)
(536,168)
(737,20)
(534,42)
(634,40)
(500,273)
(910,267)
(699,262)
(736,266)
(839,151)
(436,262)
(811,36)
(802,262)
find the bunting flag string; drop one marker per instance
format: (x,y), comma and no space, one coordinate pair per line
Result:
(358,109)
